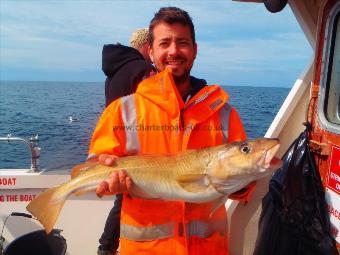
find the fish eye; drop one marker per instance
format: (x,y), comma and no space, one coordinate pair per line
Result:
(245,148)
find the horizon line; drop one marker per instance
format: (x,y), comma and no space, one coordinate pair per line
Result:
(103,82)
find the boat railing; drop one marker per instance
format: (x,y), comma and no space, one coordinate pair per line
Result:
(32,144)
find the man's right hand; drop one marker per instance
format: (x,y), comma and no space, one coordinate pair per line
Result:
(118,182)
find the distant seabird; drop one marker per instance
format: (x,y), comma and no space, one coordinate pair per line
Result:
(73,119)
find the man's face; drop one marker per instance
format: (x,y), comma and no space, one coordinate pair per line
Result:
(173,48)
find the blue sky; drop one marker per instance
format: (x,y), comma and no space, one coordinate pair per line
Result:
(238,43)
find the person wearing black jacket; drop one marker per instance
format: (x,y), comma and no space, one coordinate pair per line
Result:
(124,67)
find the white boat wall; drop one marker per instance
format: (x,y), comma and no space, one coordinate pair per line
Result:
(82,218)
(288,124)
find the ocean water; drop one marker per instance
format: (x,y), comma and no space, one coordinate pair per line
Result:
(43,108)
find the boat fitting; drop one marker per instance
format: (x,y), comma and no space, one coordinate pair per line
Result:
(32,144)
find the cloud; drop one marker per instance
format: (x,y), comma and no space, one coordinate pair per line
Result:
(233,37)
(256,51)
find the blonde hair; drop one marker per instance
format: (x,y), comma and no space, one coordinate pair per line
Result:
(139,38)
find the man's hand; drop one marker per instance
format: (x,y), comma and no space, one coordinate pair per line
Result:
(118,182)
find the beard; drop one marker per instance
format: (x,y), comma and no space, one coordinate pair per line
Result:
(179,79)
(181,74)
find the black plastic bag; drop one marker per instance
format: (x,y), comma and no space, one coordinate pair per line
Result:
(294,218)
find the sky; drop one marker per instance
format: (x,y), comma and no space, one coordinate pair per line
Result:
(239,44)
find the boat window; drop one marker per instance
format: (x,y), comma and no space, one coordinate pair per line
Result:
(329,94)
(332,99)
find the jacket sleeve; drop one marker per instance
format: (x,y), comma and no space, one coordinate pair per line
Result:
(109,132)
(108,138)
(236,130)
(237,133)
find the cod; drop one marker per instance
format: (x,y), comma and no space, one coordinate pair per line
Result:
(195,176)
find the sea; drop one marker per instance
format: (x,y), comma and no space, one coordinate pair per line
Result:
(44,109)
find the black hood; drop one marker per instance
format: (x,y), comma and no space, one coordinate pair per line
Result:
(115,56)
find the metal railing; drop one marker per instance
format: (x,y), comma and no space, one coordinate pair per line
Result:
(32,144)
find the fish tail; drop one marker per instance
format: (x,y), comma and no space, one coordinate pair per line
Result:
(46,208)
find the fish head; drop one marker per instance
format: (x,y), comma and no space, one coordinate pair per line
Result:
(251,159)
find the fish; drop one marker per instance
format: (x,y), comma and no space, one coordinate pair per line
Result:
(196,176)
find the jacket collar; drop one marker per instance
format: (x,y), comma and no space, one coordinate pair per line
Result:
(162,91)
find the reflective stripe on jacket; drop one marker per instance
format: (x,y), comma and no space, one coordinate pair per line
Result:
(155,120)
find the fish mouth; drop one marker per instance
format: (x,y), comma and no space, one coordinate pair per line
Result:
(268,161)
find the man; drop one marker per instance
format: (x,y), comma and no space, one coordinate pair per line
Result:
(124,67)
(196,115)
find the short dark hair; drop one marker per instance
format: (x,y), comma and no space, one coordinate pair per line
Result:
(171,15)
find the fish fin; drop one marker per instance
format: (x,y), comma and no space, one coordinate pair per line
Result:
(193,182)
(46,208)
(82,168)
(82,191)
(232,185)
(217,203)
(137,192)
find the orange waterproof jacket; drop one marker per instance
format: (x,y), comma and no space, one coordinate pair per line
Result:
(155,120)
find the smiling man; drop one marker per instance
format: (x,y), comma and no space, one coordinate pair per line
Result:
(169,113)
(173,45)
